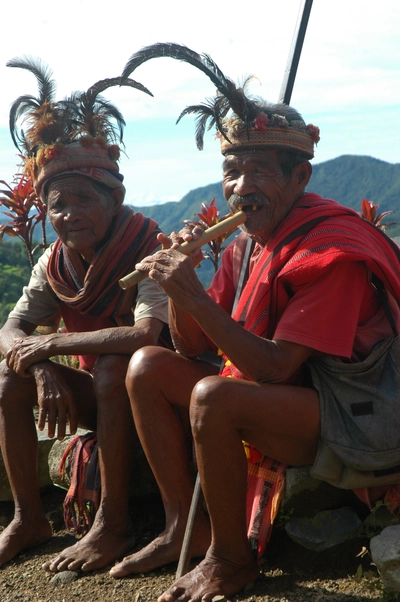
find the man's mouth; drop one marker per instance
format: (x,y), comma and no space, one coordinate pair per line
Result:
(246,208)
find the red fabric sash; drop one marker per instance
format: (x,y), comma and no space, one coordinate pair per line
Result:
(96,292)
(316,233)
(81,503)
(91,300)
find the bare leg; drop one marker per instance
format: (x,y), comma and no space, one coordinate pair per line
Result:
(18,440)
(156,379)
(111,535)
(281,421)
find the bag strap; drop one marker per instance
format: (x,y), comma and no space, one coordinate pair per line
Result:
(244,271)
(382,293)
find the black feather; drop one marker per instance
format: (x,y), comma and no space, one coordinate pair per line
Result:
(42,72)
(104,84)
(185,54)
(228,96)
(26,105)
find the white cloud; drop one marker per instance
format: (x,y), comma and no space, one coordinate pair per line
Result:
(348,81)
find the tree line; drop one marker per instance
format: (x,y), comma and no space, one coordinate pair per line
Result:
(14,275)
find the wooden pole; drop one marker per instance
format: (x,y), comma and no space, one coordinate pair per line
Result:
(295,52)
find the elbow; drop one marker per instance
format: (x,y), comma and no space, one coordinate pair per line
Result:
(280,363)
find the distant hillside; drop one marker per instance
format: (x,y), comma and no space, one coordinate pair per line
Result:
(350,178)
(171,215)
(347,179)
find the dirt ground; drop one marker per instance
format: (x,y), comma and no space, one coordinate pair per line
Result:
(290,573)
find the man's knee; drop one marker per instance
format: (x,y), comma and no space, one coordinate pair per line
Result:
(148,362)
(109,371)
(209,401)
(13,386)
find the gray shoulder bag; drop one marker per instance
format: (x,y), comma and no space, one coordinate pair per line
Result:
(360,414)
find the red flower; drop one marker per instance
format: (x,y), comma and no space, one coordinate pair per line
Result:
(313,130)
(20,201)
(261,122)
(209,214)
(368,212)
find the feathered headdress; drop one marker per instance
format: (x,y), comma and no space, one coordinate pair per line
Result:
(82,131)
(240,120)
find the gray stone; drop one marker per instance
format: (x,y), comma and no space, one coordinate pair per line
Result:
(326,529)
(56,518)
(142,481)
(385,552)
(380,518)
(307,496)
(298,480)
(65,577)
(54,459)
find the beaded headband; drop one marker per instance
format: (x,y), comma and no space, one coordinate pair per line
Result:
(264,132)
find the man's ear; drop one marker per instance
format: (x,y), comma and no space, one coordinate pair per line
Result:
(303,173)
(118,195)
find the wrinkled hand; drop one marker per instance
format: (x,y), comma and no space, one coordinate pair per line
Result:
(27,351)
(55,401)
(191,231)
(175,273)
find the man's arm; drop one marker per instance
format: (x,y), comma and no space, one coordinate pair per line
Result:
(124,340)
(187,336)
(260,359)
(53,394)
(11,330)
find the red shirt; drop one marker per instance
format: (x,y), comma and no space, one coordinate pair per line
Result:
(338,313)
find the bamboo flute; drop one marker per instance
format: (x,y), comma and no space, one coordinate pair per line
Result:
(231,222)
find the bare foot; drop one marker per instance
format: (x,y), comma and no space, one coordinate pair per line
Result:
(99,547)
(20,535)
(212,577)
(164,549)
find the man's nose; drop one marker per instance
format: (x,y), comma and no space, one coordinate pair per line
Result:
(244,185)
(71,213)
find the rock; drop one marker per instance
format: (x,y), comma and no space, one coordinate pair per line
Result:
(56,518)
(378,519)
(54,459)
(142,481)
(65,577)
(385,552)
(307,496)
(325,529)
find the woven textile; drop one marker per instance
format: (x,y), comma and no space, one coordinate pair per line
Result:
(96,291)
(316,233)
(83,496)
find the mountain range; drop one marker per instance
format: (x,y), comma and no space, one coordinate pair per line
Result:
(347,179)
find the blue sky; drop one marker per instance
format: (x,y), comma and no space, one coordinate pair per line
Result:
(348,81)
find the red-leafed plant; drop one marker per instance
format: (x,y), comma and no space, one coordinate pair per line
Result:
(26,210)
(369,212)
(208,217)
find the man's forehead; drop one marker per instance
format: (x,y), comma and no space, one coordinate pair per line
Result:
(250,155)
(70,182)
